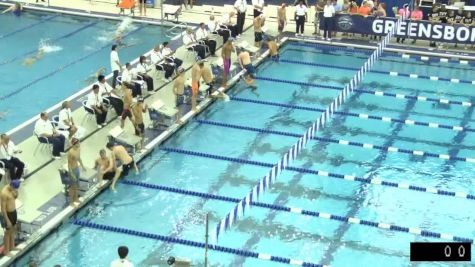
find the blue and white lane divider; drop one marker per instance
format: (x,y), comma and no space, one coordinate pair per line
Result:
(296,210)
(358,115)
(29,26)
(295,150)
(343,142)
(367,51)
(180,241)
(61,68)
(371,92)
(374,181)
(391,73)
(54,40)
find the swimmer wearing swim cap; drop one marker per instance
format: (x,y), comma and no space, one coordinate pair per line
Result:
(8,195)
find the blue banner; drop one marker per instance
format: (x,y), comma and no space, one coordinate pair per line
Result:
(422,29)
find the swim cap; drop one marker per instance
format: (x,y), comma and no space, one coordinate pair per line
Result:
(15,183)
(171,260)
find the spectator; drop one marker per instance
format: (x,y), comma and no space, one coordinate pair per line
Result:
(8,195)
(328,13)
(115,64)
(300,18)
(468,22)
(257,23)
(354,7)
(403,13)
(141,69)
(189,40)
(110,94)
(416,15)
(380,12)
(365,10)
(95,102)
(346,7)
(66,121)
(202,35)
(44,128)
(258,7)
(168,53)
(123,251)
(119,153)
(337,6)
(241,7)
(129,77)
(319,5)
(434,18)
(179,91)
(74,162)
(157,58)
(281,18)
(12,163)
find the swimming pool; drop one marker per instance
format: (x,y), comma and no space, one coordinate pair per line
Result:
(76,48)
(229,146)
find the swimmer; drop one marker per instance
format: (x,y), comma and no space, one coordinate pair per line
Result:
(273,49)
(32,60)
(226,53)
(245,61)
(195,81)
(16,9)
(94,76)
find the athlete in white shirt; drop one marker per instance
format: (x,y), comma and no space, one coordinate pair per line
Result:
(129,77)
(95,102)
(110,95)
(202,35)
(116,67)
(158,60)
(225,23)
(122,261)
(44,129)
(142,69)
(13,164)
(189,40)
(168,53)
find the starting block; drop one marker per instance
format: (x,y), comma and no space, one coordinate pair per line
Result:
(131,141)
(202,91)
(246,46)
(162,116)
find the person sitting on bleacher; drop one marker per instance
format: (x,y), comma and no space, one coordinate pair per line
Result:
(110,94)
(12,163)
(191,43)
(214,28)
(167,52)
(202,35)
(129,77)
(141,69)
(226,24)
(45,128)
(157,59)
(95,102)
(66,122)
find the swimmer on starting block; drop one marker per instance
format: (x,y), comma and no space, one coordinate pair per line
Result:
(273,49)
(245,62)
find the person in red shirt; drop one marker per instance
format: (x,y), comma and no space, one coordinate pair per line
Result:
(416,15)
(365,9)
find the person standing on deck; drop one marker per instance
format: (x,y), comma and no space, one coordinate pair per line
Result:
(241,7)
(74,162)
(8,195)
(258,7)
(300,18)
(116,67)
(258,31)
(226,53)
(328,13)
(195,81)
(138,110)
(179,91)
(281,18)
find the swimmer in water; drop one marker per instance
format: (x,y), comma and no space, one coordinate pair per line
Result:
(16,9)
(32,60)
(94,76)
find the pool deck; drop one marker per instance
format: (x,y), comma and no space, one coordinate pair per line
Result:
(42,193)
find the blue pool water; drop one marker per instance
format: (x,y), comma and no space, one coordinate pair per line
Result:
(280,233)
(80,46)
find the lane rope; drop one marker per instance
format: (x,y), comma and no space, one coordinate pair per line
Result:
(388,149)
(390,73)
(180,241)
(29,26)
(371,92)
(373,181)
(316,214)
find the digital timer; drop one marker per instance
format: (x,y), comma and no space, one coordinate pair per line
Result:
(441,251)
